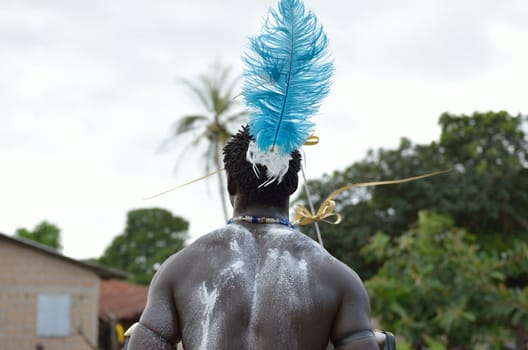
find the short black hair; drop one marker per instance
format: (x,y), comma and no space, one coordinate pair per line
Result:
(241,172)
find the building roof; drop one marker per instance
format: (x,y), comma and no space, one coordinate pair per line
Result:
(104,272)
(121,300)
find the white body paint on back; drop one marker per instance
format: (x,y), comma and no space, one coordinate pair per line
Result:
(210,326)
(209,300)
(288,277)
(233,244)
(257,270)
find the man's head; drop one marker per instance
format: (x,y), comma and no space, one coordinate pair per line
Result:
(243,181)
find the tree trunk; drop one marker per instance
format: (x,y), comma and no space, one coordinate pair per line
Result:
(221,183)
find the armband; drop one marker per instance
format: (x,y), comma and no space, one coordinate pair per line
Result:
(381,337)
(160,341)
(362,334)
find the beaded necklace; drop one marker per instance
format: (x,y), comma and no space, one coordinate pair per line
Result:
(260,220)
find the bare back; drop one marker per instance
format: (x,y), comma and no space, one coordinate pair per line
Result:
(253,287)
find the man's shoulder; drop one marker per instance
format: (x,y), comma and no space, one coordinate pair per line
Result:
(338,274)
(210,243)
(306,247)
(222,236)
(191,258)
(235,237)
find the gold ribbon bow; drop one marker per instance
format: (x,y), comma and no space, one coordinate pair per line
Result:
(312,140)
(304,217)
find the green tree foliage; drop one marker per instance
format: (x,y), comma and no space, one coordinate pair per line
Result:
(222,116)
(437,284)
(486,192)
(150,236)
(490,155)
(44,233)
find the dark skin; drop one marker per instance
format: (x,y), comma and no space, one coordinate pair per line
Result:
(254,286)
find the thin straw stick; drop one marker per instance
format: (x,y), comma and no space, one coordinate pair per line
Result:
(310,203)
(185,184)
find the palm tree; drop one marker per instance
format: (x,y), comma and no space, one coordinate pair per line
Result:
(215,92)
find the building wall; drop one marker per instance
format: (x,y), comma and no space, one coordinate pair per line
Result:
(24,274)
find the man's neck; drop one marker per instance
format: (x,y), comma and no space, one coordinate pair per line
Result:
(270,211)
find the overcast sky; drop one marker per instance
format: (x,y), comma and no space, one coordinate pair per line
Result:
(88,91)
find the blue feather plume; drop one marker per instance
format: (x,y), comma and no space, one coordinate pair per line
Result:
(287,75)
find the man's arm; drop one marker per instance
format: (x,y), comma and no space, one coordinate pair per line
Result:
(158,326)
(352,329)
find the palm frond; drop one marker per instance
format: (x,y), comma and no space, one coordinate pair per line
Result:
(181,127)
(217,101)
(198,92)
(224,74)
(233,85)
(237,117)
(187,123)
(214,91)
(201,137)
(184,152)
